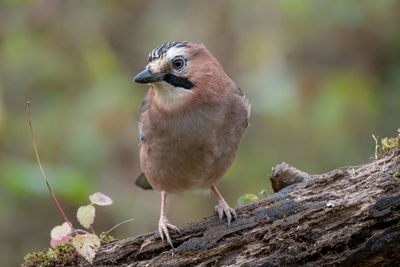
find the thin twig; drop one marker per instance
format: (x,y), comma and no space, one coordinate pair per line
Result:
(83,231)
(42,170)
(118,225)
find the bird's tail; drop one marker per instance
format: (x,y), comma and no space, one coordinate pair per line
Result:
(142,182)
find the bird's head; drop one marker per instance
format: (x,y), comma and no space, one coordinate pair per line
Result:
(180,72)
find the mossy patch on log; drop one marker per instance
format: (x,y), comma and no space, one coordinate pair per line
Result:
(61,255)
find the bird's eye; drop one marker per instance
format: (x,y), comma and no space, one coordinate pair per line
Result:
(178,63)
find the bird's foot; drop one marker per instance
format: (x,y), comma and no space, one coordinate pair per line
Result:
(163,226)
(223,209)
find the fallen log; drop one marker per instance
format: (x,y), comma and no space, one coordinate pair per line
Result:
(345,217)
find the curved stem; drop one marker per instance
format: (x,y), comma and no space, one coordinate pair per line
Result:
(42,170)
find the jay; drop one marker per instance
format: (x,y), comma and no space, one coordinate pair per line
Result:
(192,121)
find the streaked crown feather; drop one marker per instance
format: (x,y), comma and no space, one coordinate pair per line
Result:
(162,50)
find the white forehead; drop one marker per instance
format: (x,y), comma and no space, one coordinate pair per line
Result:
(175,51)
(156,65)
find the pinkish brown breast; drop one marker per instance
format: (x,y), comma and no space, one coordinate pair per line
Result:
(192,149)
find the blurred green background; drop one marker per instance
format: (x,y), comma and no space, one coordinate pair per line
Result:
(322,76)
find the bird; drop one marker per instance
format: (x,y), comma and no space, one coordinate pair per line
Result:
(192,121)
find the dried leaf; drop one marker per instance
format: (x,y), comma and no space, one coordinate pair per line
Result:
(86,215)
(60,234)
(100,199)
(60,231)
(86,245)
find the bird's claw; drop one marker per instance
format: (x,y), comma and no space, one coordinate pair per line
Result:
(163,226)
(223,209)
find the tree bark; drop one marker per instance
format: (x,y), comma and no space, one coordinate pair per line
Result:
(345,217)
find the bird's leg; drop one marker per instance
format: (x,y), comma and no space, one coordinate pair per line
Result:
(163,224)
(223,208)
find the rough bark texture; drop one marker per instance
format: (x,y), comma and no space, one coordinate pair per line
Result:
(342,218)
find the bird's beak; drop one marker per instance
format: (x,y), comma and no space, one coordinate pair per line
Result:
(147,77)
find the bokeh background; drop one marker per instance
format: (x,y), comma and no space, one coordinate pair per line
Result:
(322,77)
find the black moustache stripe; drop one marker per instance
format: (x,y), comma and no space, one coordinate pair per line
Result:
(178,81)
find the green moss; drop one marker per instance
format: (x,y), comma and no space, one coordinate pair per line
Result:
(104,238)
(61,255)
(387,145)
(246,199)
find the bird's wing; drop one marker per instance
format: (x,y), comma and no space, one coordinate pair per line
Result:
(239,92)
(141,181)
(145,106)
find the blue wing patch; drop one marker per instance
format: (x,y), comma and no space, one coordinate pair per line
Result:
(140,134)
(237,90)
